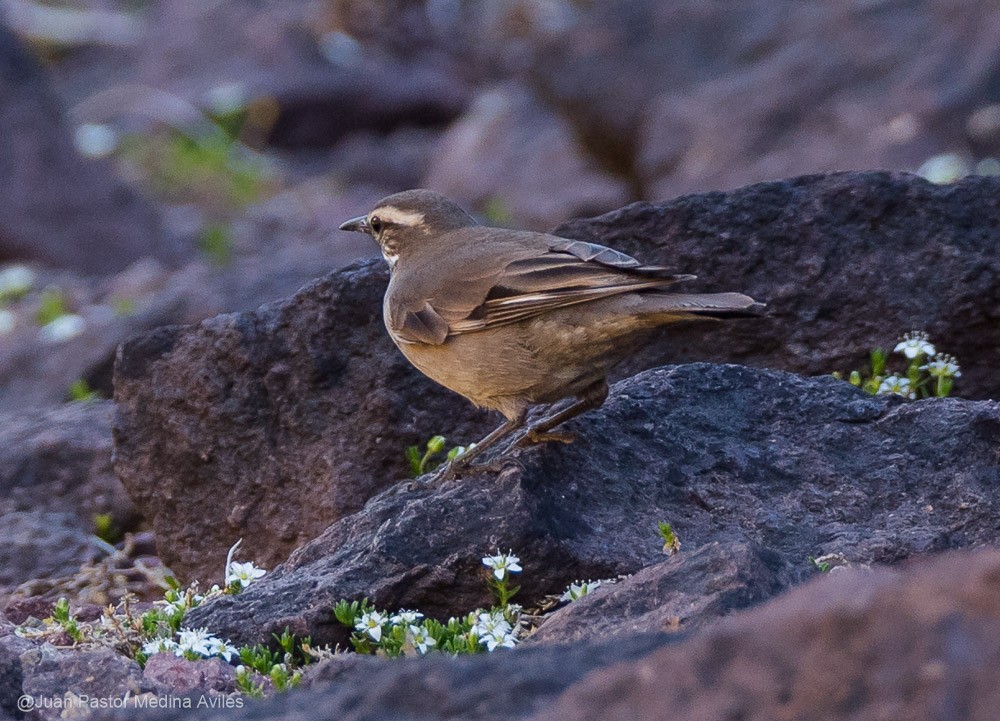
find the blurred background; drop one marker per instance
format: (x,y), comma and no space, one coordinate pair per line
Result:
(162,161)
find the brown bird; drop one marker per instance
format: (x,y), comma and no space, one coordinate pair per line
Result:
(511,319)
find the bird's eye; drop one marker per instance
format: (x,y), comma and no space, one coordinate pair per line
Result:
(376,224)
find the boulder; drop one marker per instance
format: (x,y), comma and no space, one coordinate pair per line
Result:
(282,420)
(720,96)
(917,644)
(56,207)
(59,460)
(797,467)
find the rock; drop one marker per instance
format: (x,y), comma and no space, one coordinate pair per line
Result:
(11,669)
(288,474)
(56,207)
(40,543)
(846,262)
(76,677)
(516,161)
(719,98)
(175,676)
(59,460)
(725,453)
(919,644)
(257,414)
(690,590)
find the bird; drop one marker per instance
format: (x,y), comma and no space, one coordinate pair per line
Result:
(513,319)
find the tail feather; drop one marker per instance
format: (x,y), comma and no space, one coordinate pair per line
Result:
(709,304)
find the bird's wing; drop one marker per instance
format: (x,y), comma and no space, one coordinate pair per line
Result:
(554,275)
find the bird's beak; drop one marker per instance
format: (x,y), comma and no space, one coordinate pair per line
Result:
(358,225)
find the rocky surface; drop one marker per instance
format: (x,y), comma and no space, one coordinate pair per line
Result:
(915,644)
(56,207)
(719,98)
(795,467)
(241,413)
(59,460)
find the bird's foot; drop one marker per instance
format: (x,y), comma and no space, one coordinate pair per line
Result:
(532,437)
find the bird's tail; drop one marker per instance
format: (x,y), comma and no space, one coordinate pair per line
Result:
(679,306)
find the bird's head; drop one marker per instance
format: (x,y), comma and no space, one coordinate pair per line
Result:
(402,221)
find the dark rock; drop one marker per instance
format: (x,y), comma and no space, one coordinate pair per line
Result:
(690,590)
(798,467)
(258,414)
(20,609)
(173,675)
(40,543)
(718,97)
(249,398)
(97,674)
(59,460)
(517,161)
(56,207)
(11,670)
(846,263)
(920,644)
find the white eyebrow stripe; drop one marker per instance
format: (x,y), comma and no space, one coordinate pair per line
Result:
(390,214)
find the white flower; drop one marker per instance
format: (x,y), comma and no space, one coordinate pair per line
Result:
(491,623)
(195,640)
(420,639)
(943,365)
(913,344)
(63,328)
(16,280)
(7,321)
(407,617)
(159,645)
(896,385)
(502,564)
(498,638)
(218,647)
(243,573)
(579,589)
(371,623)
(95,140)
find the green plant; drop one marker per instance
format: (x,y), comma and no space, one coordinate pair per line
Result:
(51,305)
(104,528)
(425,461)
(928,373)
(216,243)
(81,392)
(671,541)
(61,615)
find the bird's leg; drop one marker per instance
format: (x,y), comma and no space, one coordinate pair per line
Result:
(592,397)
(509,426)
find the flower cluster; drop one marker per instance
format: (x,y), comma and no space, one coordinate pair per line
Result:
(406,632)
(495,631)
(929,373)
(191,644)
